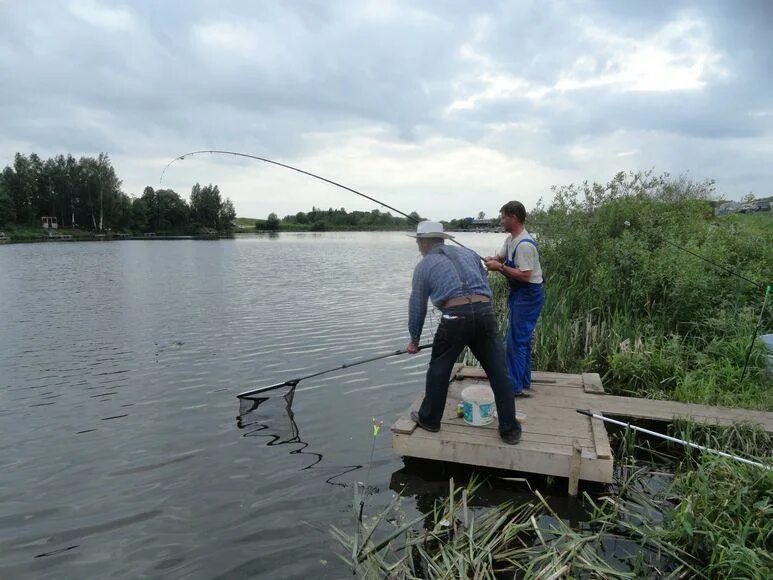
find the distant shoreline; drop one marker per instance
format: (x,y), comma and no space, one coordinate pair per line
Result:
(28,238)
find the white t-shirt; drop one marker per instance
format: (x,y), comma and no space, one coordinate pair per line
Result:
(527,256)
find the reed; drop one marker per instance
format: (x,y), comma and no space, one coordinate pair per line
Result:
(711,519)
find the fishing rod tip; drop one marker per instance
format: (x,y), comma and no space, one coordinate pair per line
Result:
(585,412)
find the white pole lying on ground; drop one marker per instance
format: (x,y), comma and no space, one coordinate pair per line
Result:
(673,439)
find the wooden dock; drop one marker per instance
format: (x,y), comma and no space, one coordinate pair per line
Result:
(556,439)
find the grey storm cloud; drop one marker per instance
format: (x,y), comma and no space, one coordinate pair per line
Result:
(546,82)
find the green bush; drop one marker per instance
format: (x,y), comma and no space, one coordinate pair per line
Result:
(627,297)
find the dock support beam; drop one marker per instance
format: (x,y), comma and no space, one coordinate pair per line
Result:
(575,462)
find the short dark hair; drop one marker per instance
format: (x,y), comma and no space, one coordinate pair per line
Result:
(514,208)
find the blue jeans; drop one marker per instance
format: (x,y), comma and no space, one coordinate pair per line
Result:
(525,304)
(472,325)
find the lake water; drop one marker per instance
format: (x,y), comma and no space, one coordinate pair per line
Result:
(121,455)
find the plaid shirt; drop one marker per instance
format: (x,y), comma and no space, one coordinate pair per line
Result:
(437,277)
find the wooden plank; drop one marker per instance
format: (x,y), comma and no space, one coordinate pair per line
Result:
(600,438)
(404,423)
(644,408)
(670,410)
(492,432)
(526,458)
(556,420)
(552,375)
(471,373)
(538,380)
(592,383)
(654,409)
(575,464)
(466,372)
(452,434)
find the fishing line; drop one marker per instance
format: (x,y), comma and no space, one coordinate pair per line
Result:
(715,264)
(673,439)
(548,233)
(730,271)
(304,172)
(754,334)
(627,224)
(376,428)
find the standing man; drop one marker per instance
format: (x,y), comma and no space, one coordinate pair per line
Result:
(454,279)
(518,261)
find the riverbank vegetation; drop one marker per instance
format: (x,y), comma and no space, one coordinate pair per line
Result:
(320,220)
(710,518)
(628,297)
(85,195)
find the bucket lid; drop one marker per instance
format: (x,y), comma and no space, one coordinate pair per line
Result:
(478,394)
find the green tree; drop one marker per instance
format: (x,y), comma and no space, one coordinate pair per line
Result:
(139,214)
(227,215)
(7,214)
(205,205)
(272,223)
(121,217)
(165,210)
(20,184)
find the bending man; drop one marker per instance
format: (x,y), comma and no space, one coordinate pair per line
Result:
(518,261)
(454,279)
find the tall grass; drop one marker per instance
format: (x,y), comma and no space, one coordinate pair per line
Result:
(654,320)
(712,519)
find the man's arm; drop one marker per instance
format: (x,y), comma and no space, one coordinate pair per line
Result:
(515,273)
(527,255)
(417,308)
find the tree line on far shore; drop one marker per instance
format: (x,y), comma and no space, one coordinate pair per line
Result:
(318,220)
(339,219)
(86,194)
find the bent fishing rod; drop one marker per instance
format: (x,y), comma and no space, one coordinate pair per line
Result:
(304,172)
(294,382)
(673,439)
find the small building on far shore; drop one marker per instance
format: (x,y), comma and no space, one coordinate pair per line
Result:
(49,222)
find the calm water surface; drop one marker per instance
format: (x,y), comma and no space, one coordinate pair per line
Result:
(121,455)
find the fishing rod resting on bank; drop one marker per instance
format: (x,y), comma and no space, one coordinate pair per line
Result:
(673,439)
(294,382)
(304,172)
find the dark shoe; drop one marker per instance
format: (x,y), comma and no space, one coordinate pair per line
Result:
(522,394)
(513,436)
(422,424)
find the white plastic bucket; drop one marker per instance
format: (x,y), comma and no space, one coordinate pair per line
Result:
(478,405)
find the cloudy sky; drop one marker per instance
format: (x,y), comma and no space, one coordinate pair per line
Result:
(447,108)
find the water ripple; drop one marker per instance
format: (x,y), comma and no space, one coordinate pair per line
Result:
(120,452)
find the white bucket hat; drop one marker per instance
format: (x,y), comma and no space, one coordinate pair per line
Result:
(429,229)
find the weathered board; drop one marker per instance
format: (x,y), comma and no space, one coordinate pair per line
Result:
(552,428)
(546,447)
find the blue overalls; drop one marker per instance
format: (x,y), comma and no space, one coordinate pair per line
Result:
(525,302)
